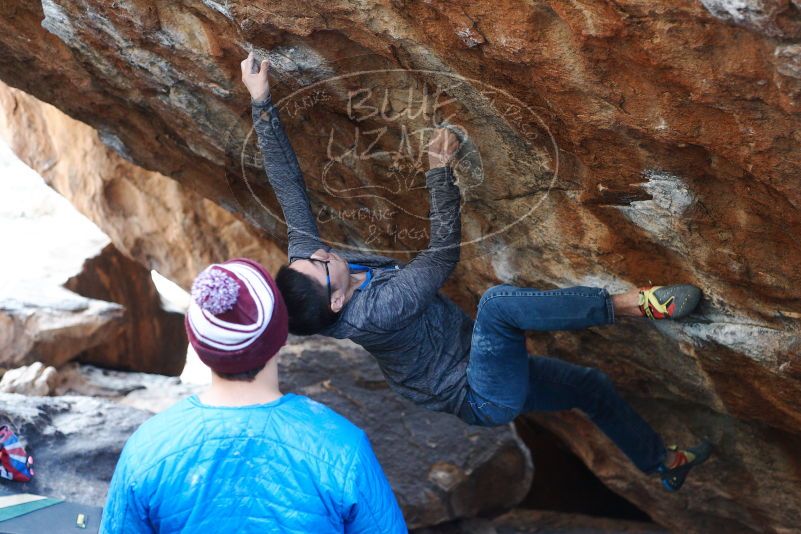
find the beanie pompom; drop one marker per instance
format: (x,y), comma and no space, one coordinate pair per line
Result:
(237,320)
(215,291)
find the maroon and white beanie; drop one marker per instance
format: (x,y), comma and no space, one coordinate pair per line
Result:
(237,319)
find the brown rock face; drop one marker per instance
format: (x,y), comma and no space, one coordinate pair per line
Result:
(154,339)
(610,143)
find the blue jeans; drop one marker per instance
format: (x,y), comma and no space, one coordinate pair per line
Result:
(505,381)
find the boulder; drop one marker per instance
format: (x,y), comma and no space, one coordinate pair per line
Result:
(34,379)
(154,339)
(53,325)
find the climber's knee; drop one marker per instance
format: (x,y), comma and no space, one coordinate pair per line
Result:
(491,310)
(476,410)
(493,292)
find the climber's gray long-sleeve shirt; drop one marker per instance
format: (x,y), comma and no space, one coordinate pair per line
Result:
(420,338)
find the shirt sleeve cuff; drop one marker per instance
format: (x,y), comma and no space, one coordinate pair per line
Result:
(264,104)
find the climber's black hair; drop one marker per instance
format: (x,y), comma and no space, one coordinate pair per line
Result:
(306,302)
(247,376)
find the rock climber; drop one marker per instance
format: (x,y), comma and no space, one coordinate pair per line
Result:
(428,349)
(242,456)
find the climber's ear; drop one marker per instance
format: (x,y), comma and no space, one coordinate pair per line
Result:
(337,301)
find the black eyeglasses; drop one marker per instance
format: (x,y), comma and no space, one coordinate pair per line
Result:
(327,274)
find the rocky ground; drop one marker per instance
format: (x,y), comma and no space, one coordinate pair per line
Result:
(440,469)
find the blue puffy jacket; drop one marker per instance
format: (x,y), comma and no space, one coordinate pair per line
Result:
(292,465)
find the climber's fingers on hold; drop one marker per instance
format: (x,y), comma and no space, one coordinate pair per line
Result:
(246,63)
(444,141)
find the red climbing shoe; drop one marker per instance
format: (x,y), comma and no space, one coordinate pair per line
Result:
(668,302)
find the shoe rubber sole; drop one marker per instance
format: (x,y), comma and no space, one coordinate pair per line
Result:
(685,296)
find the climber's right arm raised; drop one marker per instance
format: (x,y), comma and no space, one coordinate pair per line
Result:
(280,162)
(410,291)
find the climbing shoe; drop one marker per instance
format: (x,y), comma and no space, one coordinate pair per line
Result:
(673,476)
(668,302)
